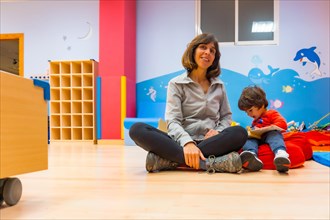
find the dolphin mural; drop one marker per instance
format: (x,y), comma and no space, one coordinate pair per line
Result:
(309,56)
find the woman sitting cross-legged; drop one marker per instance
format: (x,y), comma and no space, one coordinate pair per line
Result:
(198,118)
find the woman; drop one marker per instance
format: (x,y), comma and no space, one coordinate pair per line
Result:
(198,118)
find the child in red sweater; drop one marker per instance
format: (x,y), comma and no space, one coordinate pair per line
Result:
(253,101)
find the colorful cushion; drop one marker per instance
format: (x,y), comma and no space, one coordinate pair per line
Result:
(322,158)
(320,141)
(266,155)
(298,148)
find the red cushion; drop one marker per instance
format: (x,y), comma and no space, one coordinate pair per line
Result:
(298,148)
(266,155)
(318,138)
(299,139)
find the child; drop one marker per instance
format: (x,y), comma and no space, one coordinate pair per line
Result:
(253,101)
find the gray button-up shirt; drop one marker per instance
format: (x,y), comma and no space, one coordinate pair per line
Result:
(190,113)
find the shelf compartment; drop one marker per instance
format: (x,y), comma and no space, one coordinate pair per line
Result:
(66,107)
(55,94)
(66,133)
(55,107)
(65,68)
(88,134)
(76,67)
(87,107)
(76,81)
(87,67)
(76,133)
(55,134)
(66,94)
(66,120)
(87,80)
(54,81)
(55,121)
(88,121)
(54,68)
(76,94)
(76,107)
(76,120)
(65,81)
(87,94)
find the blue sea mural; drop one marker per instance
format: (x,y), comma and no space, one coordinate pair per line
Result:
(151,96)
(296,99)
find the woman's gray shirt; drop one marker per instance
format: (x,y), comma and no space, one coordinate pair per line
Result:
(190,113)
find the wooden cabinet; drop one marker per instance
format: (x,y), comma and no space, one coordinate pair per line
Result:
(72,105)
(23,126)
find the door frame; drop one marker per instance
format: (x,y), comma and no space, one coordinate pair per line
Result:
(20,38)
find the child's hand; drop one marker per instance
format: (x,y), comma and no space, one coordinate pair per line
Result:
(250,134)
(250,128)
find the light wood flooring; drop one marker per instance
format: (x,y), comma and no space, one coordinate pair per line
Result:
(86,181)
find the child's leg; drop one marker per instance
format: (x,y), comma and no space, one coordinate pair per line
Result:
(275,140)
(251,145)
(249,156)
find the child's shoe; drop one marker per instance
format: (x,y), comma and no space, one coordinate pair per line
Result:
(282,161)
(250,161)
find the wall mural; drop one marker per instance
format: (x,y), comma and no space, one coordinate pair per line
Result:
(298,100)
(69,41)
(309,56)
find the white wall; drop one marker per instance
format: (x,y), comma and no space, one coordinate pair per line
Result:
(302,24)
(52,31)
(164,28)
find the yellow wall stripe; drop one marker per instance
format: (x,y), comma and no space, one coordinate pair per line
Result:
(123,105)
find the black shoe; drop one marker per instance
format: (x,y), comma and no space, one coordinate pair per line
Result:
(250,161)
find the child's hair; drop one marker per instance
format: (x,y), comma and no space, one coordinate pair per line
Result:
(252,96)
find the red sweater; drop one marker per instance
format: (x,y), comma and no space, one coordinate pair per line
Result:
(270,117)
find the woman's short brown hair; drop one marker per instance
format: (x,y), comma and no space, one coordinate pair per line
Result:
(252,96)
(188,59)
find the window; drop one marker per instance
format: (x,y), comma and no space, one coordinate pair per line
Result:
(239,22)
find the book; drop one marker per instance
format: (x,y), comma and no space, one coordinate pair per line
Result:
(256,132)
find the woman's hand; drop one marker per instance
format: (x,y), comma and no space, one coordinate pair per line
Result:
(211,133)
(192,155)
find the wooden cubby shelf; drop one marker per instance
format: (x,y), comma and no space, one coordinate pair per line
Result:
(72,104)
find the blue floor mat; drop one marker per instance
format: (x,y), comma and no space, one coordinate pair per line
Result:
(322,158)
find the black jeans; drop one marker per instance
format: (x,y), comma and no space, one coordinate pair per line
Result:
(151,139)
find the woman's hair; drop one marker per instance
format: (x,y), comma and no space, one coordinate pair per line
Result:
(188,57)
(252,96)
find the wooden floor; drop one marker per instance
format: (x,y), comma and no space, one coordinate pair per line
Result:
(86,181)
